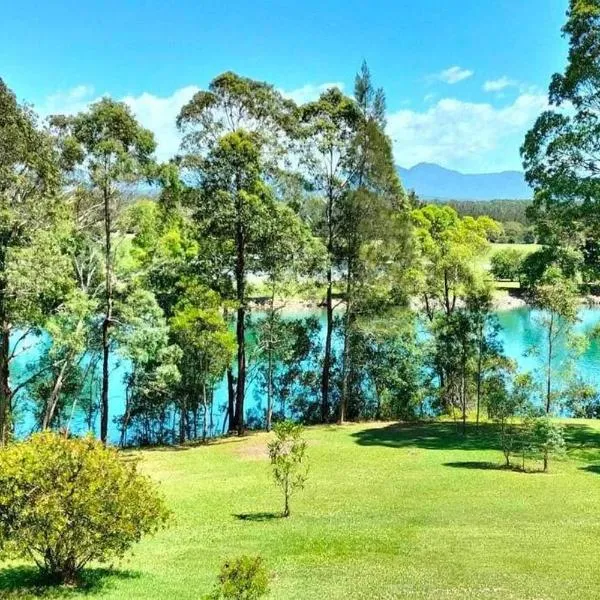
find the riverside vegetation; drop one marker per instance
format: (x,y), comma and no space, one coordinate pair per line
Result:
(266,200)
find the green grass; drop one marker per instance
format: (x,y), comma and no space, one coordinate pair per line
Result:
(483,261)
(409,511)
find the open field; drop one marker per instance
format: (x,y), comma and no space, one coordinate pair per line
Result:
(483,261)
(412,511)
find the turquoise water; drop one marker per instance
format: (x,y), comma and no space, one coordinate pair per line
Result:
(520,332)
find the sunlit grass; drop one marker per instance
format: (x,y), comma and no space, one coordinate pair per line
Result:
(411,511)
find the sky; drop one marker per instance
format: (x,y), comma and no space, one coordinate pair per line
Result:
(464,79)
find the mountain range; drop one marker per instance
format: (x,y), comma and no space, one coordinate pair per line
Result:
(431,181)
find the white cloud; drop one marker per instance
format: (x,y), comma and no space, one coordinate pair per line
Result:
(67,101)
(310,92)
(497,85)
(158,114)
(453,75)
(464,135)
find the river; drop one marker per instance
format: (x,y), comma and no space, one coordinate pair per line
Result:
(520,332)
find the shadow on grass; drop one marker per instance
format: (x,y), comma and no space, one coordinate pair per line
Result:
(259,517)
(431,436)
(583,442)
(27,582)
(481,465)
(490,466)
(591,469)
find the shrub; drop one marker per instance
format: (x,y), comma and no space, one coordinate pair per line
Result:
(66,502)
(288,458)
(244,578)
(506,264)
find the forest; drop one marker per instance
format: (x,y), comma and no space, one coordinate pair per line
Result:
(273,293)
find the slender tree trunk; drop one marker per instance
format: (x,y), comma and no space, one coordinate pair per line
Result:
(5,391)
(230,400)
(50,411)
(270,362)
(347,347)
(5,330)
(205,411)
(108,316)
(286,508)
(549,367)
(463,393)
(479,363)
(240,278)
(326,375)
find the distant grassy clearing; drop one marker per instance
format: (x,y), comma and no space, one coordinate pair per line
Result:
(389,512)
(483,261)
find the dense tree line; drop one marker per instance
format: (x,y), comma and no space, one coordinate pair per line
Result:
(517,227)
(266,201)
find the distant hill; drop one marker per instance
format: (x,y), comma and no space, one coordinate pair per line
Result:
(432,181)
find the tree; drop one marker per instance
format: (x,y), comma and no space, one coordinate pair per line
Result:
(113,150)
(547,439)
(556,297)
(444,278)
(232,138)
(371,213)
(506,264)
(143,339)
(485,331)
(560,152)
(32,269)
(288,459)
(65,502)
(207,345)
(510,405)
(290,251)
(328,128)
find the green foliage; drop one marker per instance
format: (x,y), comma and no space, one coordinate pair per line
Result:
(556,297)
(33,274)
(503,211)
(506,264)
(66,502)
(288,459)
(559,152)
(547,439)
(243,578)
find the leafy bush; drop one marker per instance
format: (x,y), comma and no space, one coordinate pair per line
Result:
(506,264)
(244,578)
(66,502)
(288,458)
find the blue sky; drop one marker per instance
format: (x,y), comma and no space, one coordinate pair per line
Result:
(464,79)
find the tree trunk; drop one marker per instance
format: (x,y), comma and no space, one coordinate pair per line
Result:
(50,411)
(270,362)
(549,367)
(347,349)
(479,365)
(5,391)
(107,318)
(240,278)
(5,330)
(230,400)
(326,375)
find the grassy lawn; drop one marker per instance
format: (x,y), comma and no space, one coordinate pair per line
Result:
(411,511)
(483,261)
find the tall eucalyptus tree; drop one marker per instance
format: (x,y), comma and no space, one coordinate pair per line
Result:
(232,144)
(31,267)
(106,149)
